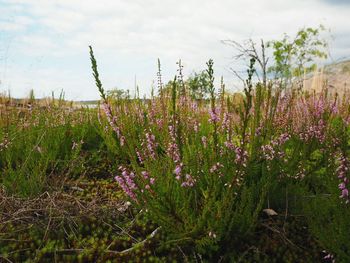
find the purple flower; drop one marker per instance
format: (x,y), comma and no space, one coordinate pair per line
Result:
(139,157)
(214,117)
(344,193)
(145,174)
(342,186)
(173,149)
(126,182)
(341,172)
(113,121)
(178,169)
(215,168)
(151,144)
(189,181)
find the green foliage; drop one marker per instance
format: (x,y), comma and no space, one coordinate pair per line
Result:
(31,96)
(293,57)
(82,237)
(117,94)
(200,172)
(96,74)
(328,221)
(209,213)
(198,85)
(43,143)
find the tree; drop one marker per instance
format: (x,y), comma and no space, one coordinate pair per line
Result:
(294,57)
(117,93)
(198,84)
(249,50)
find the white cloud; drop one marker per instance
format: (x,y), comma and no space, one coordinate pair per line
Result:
(129,36)
(17,23)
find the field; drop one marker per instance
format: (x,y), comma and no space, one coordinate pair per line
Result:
(259,176)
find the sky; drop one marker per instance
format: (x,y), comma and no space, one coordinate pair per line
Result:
(44,43)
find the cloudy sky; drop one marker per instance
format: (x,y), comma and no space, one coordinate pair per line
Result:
(44,43)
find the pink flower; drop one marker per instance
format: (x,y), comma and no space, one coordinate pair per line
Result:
(342,186)
(341,172)
(145,174)
(189,181)
(173,149)
(214,117)
(139,157)
(344,193)
(178,169)
(126,182)
(151,144)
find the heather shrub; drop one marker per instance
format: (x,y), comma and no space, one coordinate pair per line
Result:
(327,210)
(185,165)
(39,143)
(204,169)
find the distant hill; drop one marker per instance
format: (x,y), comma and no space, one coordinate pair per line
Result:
(335,77)
(338,74)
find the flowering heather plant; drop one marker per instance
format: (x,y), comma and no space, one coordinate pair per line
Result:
(41,142)
(342,172)
(204,171)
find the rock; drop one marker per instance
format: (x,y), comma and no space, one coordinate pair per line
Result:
(270,212)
